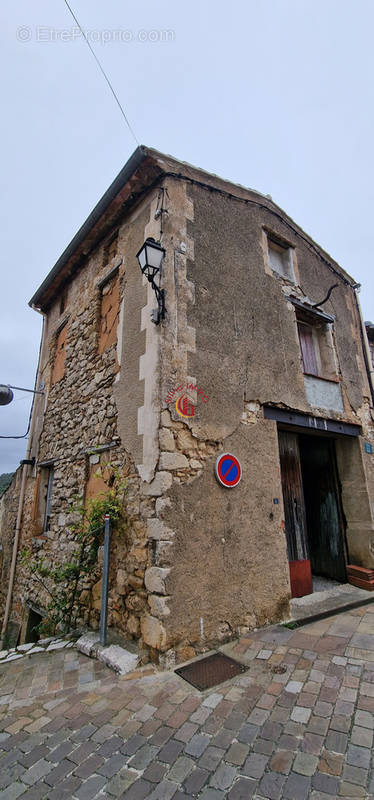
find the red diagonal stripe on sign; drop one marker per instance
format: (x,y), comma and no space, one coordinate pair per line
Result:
(230,468)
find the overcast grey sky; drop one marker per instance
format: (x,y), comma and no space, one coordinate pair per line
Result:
(276,95)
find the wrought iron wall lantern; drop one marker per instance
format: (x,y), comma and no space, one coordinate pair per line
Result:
(150,258)
(6,394)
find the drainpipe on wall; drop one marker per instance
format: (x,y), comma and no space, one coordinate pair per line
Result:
(365,344)
(20,505)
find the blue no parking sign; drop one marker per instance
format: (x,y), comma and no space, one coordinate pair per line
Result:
(228,470)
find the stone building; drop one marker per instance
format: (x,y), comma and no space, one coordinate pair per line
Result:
(261,355)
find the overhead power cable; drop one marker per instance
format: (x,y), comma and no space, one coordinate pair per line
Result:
(24,435)
(102,71)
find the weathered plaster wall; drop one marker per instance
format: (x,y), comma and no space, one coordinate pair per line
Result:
(245,352)
(356,497)
(225,542)
(246,331)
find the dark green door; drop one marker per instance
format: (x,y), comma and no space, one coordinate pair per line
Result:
(324,515)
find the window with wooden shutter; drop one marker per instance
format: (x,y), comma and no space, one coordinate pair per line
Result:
(308,348)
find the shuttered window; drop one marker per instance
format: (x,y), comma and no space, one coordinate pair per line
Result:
(307,346)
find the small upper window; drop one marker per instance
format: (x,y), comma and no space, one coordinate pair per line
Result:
(280,257)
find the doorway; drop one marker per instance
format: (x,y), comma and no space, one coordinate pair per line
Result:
(314,519)
(33,620)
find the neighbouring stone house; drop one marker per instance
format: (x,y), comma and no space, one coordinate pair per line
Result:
(258,356)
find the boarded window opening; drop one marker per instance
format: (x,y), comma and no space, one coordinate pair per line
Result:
(109,314)
(100,476)
(58,371)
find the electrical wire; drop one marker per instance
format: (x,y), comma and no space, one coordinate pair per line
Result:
(24,435)
(102,71)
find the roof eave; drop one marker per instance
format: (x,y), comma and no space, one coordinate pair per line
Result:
(143,169)
(42,295)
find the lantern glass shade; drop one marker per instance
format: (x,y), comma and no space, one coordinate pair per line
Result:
(150,257)
(142,257)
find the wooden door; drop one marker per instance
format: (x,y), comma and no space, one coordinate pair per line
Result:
(325,520)
(295,517)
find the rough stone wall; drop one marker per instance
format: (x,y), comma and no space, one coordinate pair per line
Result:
(76,427)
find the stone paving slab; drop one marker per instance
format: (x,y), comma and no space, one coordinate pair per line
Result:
(298,724)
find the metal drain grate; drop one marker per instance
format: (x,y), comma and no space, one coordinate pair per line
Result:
(210,671)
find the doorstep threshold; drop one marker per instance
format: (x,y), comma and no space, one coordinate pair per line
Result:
(313,614)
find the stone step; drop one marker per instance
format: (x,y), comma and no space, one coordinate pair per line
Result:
(117,658)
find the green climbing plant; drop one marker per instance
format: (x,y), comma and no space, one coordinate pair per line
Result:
(62,583)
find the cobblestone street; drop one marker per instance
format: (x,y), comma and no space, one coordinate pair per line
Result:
(71,729)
